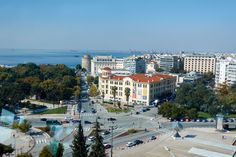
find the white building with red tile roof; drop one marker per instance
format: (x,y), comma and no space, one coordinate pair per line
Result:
(144,88)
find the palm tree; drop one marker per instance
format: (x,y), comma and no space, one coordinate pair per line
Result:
(127,94)
(103,95)
(114,92)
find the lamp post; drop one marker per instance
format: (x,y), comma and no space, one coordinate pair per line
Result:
(112,127)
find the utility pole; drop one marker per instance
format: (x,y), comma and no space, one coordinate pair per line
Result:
(111,140)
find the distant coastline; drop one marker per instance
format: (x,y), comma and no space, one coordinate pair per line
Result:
(12,57)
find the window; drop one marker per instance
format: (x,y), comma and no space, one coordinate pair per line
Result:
(111,82)
(120,83)
(127,83)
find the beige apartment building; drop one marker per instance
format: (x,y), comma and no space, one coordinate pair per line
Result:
(144,88)
(200,63)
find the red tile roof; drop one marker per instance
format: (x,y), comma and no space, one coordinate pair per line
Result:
(144,77)
(106,68)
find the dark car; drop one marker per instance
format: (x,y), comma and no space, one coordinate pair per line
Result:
(152,138)
(76,121)
(137,142)
(136,112)
(111,119)
(107,146)
(43,119)
(94,111)
(87,122)
(53,122)
(106,132)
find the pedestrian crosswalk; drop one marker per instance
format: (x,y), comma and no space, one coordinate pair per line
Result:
(40,141)
(88,114)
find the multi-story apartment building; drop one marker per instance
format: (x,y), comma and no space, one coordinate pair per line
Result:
(102,61)
(200,63)
(167,62)
(151,67)
(119,63)
(135,64)
(225,71)
(144,88)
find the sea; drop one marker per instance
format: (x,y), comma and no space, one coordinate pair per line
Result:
(12,57)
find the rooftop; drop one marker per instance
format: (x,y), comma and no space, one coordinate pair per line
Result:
(144,77)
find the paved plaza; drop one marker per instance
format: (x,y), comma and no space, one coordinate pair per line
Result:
(196,142)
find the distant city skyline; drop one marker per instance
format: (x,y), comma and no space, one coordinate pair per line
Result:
(164,25)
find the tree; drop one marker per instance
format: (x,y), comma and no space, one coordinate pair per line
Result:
(60,150)
(90,79)
(78,67)
(78,146)
(5,149)
(103,96)
(159,70)
(45,152)
(93,91)
(25,155)
(170,110)
(127,94)
(25,126)
(97,149)
(114,92)
(96,80)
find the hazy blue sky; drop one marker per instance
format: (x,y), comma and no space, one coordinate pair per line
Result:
(195,25)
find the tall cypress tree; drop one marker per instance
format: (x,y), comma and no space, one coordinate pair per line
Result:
(98,149)
(60,150)
(79,144)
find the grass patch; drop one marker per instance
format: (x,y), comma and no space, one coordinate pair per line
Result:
(204,115)
(232,115)
(132,131)
(60,110)
(117,110)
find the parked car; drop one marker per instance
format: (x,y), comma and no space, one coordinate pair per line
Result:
(130,144)
(76,121)
(111,119)
(87,122)
(152,138)
(137,142)
(91,138)
(107,146)
(83,111)
(136,112)
(43,119)
(106,132)
(65,121)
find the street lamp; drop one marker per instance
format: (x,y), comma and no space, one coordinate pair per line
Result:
(112,128)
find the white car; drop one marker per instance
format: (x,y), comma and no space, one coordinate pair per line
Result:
(91,138)
(130,144)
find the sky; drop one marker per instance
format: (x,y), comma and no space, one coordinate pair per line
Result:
(166,25)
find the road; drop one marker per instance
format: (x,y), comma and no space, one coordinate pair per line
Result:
(148,120)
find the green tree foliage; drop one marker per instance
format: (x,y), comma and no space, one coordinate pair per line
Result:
(170,110)
(78,146)
(114,93)
(25,126)
(127,94)
(25,155)
(47,82)
(45,152)
(78,67)
(97,149)
(60,150)
(4,149)
(90,79)
(93,90)
(96,80)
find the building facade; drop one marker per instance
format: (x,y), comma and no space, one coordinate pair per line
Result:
(225,71)
(100,62)
(135,65)
(200,63)
(86,62)
(144,88)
